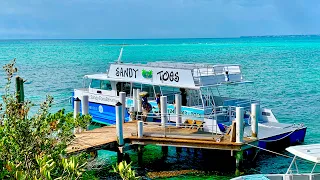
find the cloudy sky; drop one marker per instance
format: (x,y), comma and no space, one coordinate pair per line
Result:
(156,18)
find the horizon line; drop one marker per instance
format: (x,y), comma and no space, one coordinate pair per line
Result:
(161,38)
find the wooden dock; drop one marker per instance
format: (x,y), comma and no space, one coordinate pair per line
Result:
(106,138)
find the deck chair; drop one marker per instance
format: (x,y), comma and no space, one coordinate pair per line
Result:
(189,123)
(199,124)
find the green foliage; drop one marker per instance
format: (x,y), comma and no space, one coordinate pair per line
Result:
(125,171)
(34,147)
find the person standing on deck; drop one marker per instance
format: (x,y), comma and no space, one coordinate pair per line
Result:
(158,102)
(146,106)
(183,97)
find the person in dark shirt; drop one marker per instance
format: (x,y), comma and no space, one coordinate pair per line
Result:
(158,101)
(183,97)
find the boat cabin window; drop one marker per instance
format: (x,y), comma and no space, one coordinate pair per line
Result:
(147,88)
(123,87)
(170,93)
(101,84)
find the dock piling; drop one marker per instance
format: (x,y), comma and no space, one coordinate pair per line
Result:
(85,107)
(76,111)
(239,158)
(165,150)
(178,109)
(119,124)
(239,124)
(85,104)
(20,89)
(164,110)
(140,129)
(255,112)
(123,102)
(140,155)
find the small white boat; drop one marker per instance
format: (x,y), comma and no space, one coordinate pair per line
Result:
(213,93)
(307,152)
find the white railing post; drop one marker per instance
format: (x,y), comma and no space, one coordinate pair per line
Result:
(178,109)
(239,124)
(119,123)
(134,98)
(164,110)
(255,112)
(123,102)
(76,111)
(140,129)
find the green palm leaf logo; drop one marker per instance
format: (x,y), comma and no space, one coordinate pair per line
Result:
(147,74)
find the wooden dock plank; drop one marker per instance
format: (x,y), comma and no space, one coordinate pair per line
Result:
(105,138)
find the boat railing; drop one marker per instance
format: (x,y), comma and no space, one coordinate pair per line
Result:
(171,129)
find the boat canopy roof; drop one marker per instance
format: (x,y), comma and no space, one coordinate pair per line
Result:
(309,152)
(176,74)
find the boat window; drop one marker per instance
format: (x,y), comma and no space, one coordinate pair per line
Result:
(170,93)
(106,85)
(145,87)
(100,84)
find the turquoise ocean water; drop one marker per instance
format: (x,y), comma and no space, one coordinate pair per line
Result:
(285,71)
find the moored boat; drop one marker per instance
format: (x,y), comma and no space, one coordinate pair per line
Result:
(309,153)
(212,92)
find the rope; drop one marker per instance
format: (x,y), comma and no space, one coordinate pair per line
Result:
(269,151)
(278,153)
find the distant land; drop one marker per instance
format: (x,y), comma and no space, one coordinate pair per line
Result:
(293,36)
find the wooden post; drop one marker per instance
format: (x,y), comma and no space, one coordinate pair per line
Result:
(119,156)
(255,112)
(239,124)
(140,129)
(76,111)
(178,150)
(178,109)
(140,155)
(233,132)
(123,102)
(119,124)
(164,151)
(19,89)
(238,157)
(164,110)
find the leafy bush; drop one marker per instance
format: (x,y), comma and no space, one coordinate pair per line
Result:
(34,147)
(125,171)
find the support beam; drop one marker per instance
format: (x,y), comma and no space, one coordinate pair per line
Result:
(140,155)
(165,150)
(239,158)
